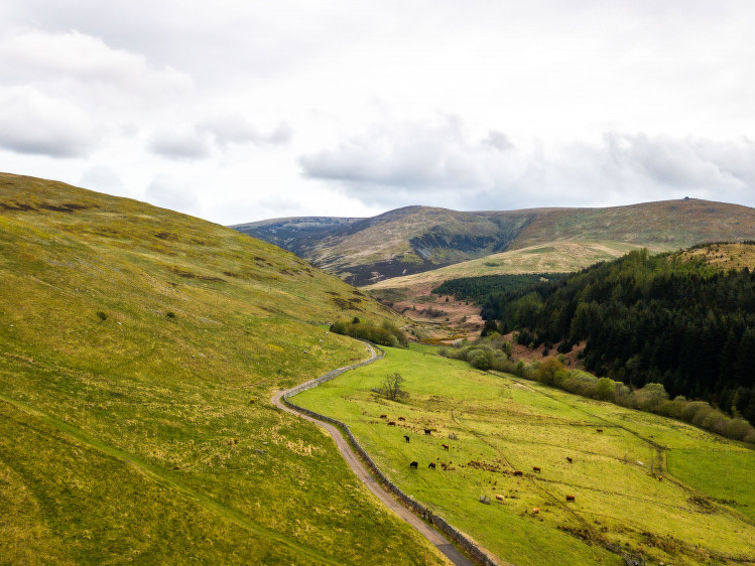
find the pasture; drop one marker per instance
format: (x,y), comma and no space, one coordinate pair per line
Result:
(640,483)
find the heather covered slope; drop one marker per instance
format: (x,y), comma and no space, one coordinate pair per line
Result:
(418,239)
(138,350)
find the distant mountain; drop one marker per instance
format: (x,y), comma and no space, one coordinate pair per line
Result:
(416,239)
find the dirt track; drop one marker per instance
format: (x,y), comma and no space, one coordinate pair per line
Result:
(354,462)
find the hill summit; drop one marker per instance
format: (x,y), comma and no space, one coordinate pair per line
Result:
(416,239)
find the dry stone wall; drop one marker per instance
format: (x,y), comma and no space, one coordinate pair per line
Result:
(441,524)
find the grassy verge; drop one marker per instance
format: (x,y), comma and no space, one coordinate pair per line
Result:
(698,513)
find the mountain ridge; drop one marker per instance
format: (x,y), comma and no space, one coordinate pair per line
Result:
(416,239)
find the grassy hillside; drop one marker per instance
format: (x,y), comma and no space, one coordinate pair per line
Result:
(418,239)
(666,225)
(702,511)
(138,351)
(551,257)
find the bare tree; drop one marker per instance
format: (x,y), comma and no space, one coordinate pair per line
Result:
(392,387)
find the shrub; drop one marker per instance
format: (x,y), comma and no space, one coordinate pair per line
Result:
(479,359)
(604,389)
(386,335)
(650,396)
(102,316)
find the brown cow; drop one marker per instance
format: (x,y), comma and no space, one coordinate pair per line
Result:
(570,498)
(536,469)
(383,416)
(568,459)
(431,465)
(445,446)
(391,423)
(535,510)
(517,473)
(428,431)
(401,419)
(600,430)
(406,438)
(499,497)
(413,465)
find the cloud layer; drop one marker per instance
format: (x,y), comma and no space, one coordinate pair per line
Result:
(414,162)
(247,109)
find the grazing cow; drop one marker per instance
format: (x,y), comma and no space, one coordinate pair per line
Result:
(428,431)
(600,430)
(445,446)
(413,465)
(535,510)
(536,469)
(431,465)
(499,497)
(660,478)
(401,419)
(517,473)
(570,498)
(391,423)
(568,459)
(406,438)
(383,416)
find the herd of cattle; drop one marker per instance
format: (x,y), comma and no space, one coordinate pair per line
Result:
(516,473)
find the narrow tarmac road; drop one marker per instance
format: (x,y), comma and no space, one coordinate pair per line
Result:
(356,464)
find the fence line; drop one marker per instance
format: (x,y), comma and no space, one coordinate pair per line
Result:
(441,524)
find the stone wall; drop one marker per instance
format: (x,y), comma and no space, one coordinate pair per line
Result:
(458,537)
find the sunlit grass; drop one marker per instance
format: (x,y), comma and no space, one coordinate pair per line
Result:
(138,352)
(700,512)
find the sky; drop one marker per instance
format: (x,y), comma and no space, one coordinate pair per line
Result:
(238,110)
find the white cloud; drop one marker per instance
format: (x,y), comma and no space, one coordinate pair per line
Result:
(234,128)
(32,122)
(404,163)
(44,57)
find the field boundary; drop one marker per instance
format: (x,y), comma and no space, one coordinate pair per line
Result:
(477,554)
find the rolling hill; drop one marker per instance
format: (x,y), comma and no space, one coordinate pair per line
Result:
(138,350)
(419,239)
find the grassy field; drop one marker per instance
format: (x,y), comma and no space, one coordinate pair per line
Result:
(554,257)
(139,349)
(702,511)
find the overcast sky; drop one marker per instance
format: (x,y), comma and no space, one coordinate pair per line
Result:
(236,110)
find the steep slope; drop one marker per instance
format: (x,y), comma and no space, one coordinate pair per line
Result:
(678,319)
(138,350)
(402,241)
(418,239)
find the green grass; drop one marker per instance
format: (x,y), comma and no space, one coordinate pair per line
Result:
(555,257)
(149,437)
(700,513)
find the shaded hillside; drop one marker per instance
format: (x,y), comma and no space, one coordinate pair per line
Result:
(674,319)
(407,240)
(139,349)
(417,239)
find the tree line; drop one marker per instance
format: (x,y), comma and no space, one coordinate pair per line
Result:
(648,319)
(480,289)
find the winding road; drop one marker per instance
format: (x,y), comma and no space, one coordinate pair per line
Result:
(356,464)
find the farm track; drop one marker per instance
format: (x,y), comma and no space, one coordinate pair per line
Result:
(358,467)
(166,479)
